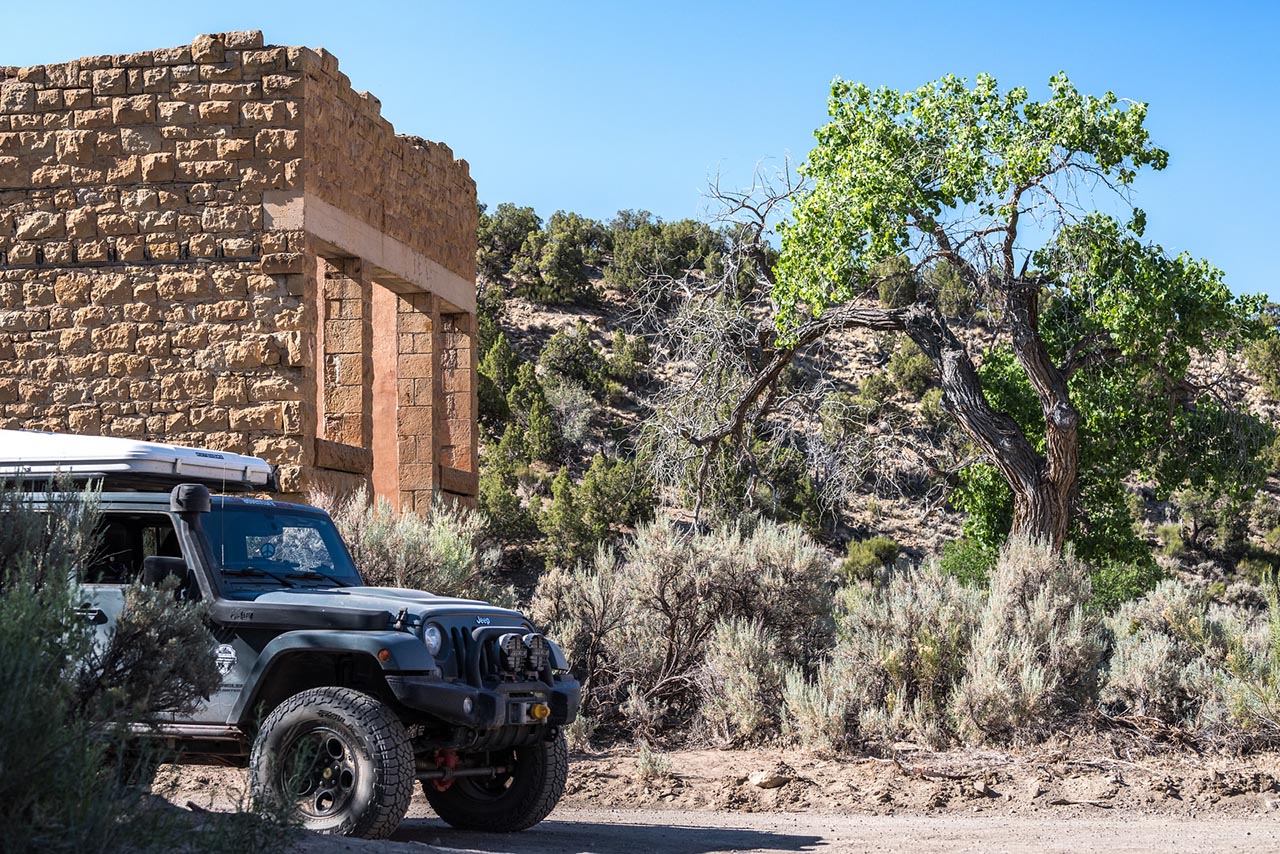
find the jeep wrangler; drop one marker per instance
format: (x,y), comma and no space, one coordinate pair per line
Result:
(338,696)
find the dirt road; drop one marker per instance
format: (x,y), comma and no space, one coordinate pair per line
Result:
(1030,802)
(633,832)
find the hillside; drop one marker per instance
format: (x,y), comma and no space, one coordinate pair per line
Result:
(922,521)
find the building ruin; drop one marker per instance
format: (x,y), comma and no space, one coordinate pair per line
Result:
(225,245)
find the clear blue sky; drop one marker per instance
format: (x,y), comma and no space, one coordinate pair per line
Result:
(599,106)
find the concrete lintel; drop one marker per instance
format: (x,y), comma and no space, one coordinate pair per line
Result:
(393,264)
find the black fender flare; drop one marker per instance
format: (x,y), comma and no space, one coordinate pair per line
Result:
(394,652)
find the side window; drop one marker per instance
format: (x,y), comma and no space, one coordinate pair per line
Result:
(125,540)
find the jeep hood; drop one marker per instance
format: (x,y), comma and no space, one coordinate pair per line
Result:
(391,600)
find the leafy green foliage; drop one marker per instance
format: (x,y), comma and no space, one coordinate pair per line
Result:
(889,162)
(645,248)
(499,496)
(500,236)
(566,541)
(969,560)
(627,358)
(543,434)
(910,368)
(1115,582)
(1264,356)
(614,495)
(500,363)
(948,291)
(864,557)
(897,282)
(571,354)
(551,266)
(491,305)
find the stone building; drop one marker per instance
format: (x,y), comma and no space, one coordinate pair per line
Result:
(224,245)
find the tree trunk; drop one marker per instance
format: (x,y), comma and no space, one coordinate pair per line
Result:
(1042,513)
(1043,488)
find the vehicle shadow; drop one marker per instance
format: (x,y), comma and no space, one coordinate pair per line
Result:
(602,837)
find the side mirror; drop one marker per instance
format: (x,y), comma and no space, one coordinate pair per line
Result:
(156,569)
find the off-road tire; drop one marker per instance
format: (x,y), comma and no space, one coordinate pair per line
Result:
(536,785)
(375,752)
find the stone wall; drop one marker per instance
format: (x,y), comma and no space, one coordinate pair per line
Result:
(186,254)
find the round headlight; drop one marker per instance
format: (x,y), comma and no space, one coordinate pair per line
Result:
(433,638)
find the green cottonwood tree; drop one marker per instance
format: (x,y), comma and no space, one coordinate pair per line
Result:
(997,188)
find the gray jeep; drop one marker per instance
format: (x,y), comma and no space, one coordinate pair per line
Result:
(338,696)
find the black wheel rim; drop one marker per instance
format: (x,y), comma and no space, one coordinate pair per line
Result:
(491,788)
(319,773)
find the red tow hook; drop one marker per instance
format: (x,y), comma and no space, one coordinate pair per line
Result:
(448,760)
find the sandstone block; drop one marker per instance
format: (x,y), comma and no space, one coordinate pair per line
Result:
(77,99)
(134,110)
(219,112)
(226,219)
(177,113)
(81,223)
(262,418)
(110,81)
(282,263)
(17,97)
(269,113)
(158,167)
(85,421)
(132,248)
(277,143)
(230,390)
(207,48)
(97,118)
(76,146)
(48,100)
(141,140)
(157,80)
(92,251)
(206,170)
(243,39)
(263,62)
(117,224)
(237,247)
(40,226)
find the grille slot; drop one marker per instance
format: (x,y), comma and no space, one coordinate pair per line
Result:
(460,642)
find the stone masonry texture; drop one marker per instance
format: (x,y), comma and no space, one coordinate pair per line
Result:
(224,245)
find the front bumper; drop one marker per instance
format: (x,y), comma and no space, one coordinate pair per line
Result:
(491,706)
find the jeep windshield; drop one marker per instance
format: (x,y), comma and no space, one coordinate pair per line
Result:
(276,545)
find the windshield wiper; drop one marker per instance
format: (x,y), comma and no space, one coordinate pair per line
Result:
(316,573)
(253,572)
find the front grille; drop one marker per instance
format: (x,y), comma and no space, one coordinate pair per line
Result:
(460,641)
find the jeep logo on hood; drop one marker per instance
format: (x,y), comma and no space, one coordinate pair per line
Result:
(483,621)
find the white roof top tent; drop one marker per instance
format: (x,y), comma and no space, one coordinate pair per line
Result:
(127,464)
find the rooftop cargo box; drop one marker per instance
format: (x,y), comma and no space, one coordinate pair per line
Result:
(125,464)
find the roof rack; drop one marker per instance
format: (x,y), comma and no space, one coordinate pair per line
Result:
(126,464)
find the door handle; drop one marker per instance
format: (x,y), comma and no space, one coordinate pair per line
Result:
(96,616)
